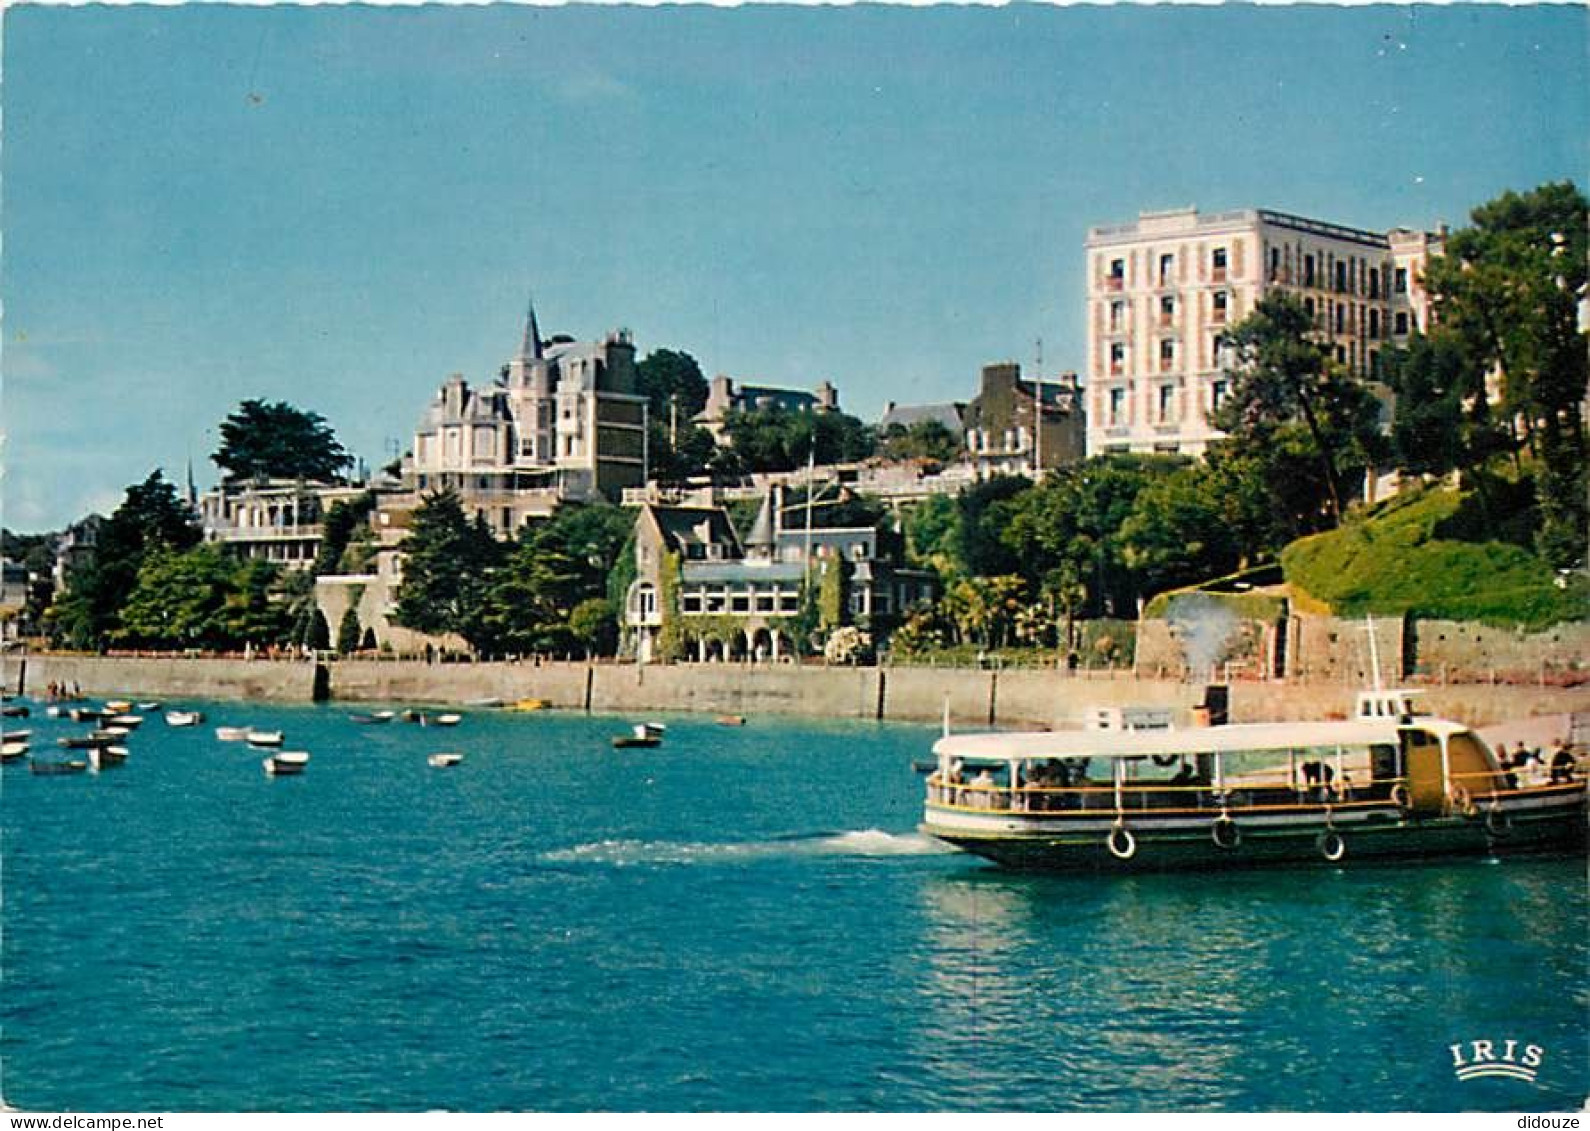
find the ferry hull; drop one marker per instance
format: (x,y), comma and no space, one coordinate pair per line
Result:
(1151,846)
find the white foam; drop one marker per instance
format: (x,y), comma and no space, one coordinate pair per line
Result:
(861,842)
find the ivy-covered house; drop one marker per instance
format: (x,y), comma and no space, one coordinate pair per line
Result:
(701,592)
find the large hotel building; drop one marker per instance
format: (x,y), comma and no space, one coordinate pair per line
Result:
(1161,291)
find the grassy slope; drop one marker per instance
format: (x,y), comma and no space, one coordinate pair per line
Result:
(1393,561)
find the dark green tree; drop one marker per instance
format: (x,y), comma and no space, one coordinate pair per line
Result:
(594,626)
(319,637)
(448,566)
(151,515)
(179,599)
(344,522)
(1281,376)
(1508,287)
(775,439)
(349,631)
(984,511)
(526,607)
(1176,534)
(672,384)
(924,440)
(265,440)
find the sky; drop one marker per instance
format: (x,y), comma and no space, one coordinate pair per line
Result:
(340,206)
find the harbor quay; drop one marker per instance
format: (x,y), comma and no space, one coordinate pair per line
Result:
(970,697)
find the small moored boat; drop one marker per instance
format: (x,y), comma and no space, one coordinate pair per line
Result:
(447,720)
(118,706)
(13,751)
(149,706)
(643,736)
(89,741)
(87,714)
(73,766)
(443,761)
(731,720)
(231,734)
(372,717)
(285,764)
(130,722)
(184,718)
(264,737)
(1374,787)
(16,711)
(21,736)
(107,757)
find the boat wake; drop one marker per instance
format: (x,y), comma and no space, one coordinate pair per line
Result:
(862,842)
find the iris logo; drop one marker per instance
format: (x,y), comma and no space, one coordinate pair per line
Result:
(1473,1059)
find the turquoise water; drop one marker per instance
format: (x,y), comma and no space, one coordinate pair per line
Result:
(741,919)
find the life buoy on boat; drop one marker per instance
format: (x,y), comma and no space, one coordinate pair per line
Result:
(1497,822)
(1332,846)
(1399,797)
(1224,832)
(1122,844)
(1462,802)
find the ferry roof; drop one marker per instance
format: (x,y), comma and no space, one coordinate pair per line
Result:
(996,747)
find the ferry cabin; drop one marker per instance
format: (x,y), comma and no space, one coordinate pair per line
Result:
(1239,795)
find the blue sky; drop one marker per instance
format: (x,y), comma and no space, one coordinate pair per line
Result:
(339,207)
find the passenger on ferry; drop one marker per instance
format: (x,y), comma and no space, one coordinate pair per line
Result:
(981,790)
(1563,763)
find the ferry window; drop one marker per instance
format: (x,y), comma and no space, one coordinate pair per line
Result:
(789,603)
(740,603)
(764,602)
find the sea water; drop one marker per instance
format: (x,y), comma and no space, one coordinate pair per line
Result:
(741,918)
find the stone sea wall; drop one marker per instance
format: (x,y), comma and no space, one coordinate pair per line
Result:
(976,698)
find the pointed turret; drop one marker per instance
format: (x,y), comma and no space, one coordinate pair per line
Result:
(530,348)
(759,543)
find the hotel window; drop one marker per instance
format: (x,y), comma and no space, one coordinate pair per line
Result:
(1341,309)
(1402,321)
(740,602)
(1117,406)
(789,602)
(1167,265)
(1167,310)
(1374,282)
(1167,402)
(1374,322)
(1308,308)
(1167,354)
(1217,394)
(1401,284)
(1374,364)
(1117,357)
(690,603)
(1341,355)
(1219,263)
(1117,274)
(1221,299)
(764,602)
(1117,315)
(1341,276)
(1308,270)
(1275,265)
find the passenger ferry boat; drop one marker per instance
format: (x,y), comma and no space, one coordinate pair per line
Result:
(1385,784)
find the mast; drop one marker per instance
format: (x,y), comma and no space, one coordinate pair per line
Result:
(1037,416)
